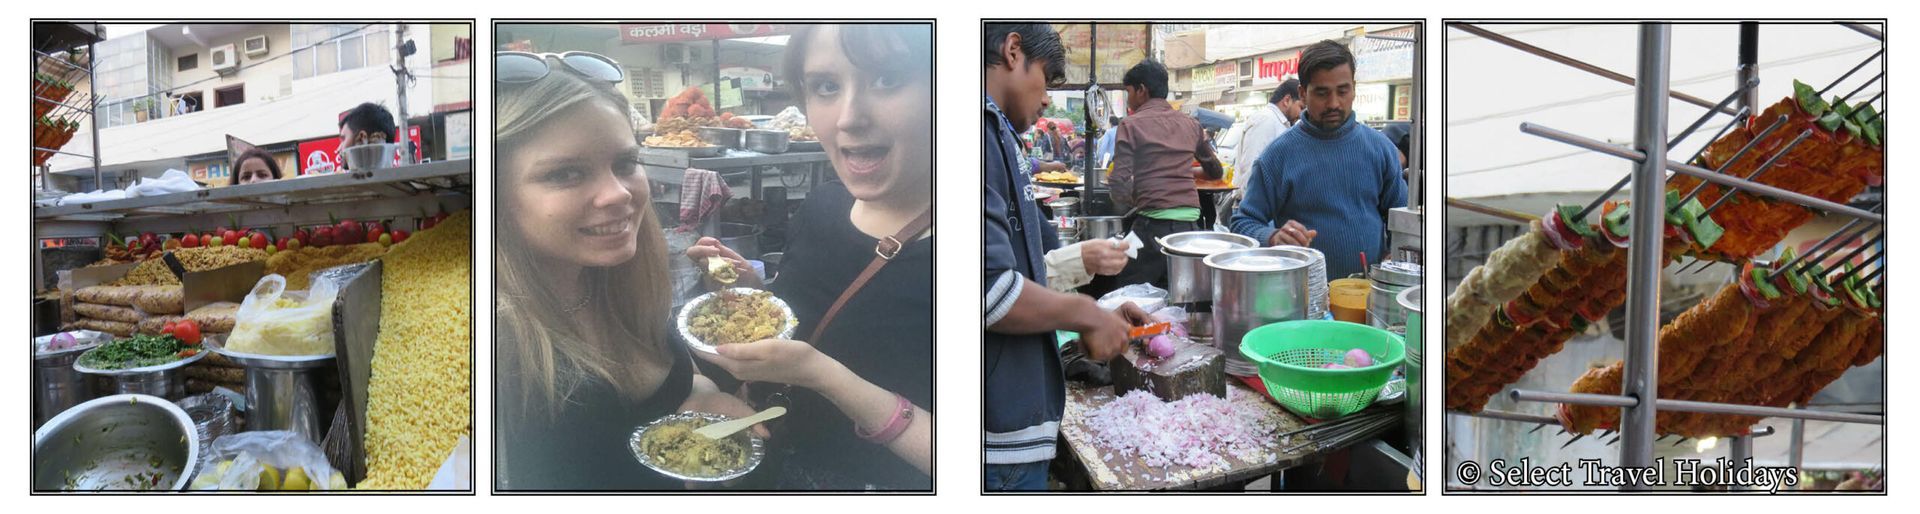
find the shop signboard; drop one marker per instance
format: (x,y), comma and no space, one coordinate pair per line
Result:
(1226,74)
(1272,68)
(633,34)
(1118,47)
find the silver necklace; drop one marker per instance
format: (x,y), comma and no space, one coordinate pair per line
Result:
(584,299)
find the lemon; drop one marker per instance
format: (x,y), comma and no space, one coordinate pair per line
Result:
(338,483)
(296,480)
(269,478)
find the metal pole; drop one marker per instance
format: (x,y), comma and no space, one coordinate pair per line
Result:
(1740,450)
(1701,173)
(1496,212)
(1608,400)
(1869,31)
(1576,63)
(1512,416)
(1415,161)
(1644,253)
(93,92)
(1749,62)
(400,75)
(1797,447)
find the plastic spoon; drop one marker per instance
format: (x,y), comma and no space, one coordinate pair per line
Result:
(727,428)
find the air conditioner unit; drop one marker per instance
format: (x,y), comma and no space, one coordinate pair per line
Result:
(255,46)
(674,54)
(224,61)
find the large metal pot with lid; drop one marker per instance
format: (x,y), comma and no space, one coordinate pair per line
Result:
(1410,301)
(1188,279)
(1383,306)
(1251,288)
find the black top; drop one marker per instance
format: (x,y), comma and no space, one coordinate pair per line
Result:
(585,447)
(884,335)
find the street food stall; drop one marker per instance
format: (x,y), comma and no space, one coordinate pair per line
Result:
(1247,379)
(308,333)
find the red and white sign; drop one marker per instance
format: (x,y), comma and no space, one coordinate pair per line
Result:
(1226,74)
(674,32)
(1271,70)
(323,155)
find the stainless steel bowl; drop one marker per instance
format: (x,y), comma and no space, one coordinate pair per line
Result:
(804,146)
(1188,278)
(767,141)
(120,442)
(369,157)
(682,321)
(756,448)
(720,136)
(163,380)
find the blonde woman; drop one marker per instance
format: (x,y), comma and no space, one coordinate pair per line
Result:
(580,266)
(860,385)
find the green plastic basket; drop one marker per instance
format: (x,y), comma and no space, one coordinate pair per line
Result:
(1290,354)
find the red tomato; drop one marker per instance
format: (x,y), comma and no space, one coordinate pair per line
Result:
(399,236)
(190,241)
(187,331)
(259,240)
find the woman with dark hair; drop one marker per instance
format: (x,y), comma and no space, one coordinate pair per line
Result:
(858,270)
(255,165)
(580,266)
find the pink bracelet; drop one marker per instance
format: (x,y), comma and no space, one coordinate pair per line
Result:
(896,425)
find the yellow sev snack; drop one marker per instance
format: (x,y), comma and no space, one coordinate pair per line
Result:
(418,399)
(297,264)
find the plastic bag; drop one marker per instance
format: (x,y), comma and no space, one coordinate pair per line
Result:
(1146,296)
(270,322)
(455,473)
(173,181)
(247,460)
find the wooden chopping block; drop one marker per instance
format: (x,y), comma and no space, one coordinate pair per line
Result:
(1192,369)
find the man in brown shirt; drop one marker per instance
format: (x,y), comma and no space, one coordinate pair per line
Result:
(1153,153)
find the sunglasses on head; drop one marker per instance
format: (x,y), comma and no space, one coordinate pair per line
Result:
(524,67)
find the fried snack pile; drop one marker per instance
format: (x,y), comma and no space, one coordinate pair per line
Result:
(675,447)
(154,271)
(419,400)
(732,318)
(296,265)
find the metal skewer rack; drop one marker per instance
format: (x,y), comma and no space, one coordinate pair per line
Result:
(1645,260)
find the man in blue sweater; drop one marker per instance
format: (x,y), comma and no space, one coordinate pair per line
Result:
(1024,384)
(1327,183)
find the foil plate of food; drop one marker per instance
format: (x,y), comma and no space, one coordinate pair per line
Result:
(733,316)
(669,446)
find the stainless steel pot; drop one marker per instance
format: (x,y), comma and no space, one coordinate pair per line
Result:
(1383,306)
(1252,288)
(57,386)
(1188,279)
(281,390)
(723,137)
(1410,301)
(744,239)
(1099,227)
(767,141)
(119,442)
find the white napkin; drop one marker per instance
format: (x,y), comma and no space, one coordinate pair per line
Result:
(1133,245)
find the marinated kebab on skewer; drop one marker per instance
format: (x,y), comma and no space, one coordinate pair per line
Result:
(1541,289)
(1841,158)
(1755,342)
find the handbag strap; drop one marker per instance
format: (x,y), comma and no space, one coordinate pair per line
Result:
(883,252)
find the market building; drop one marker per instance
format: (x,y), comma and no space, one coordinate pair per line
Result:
(168,95)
